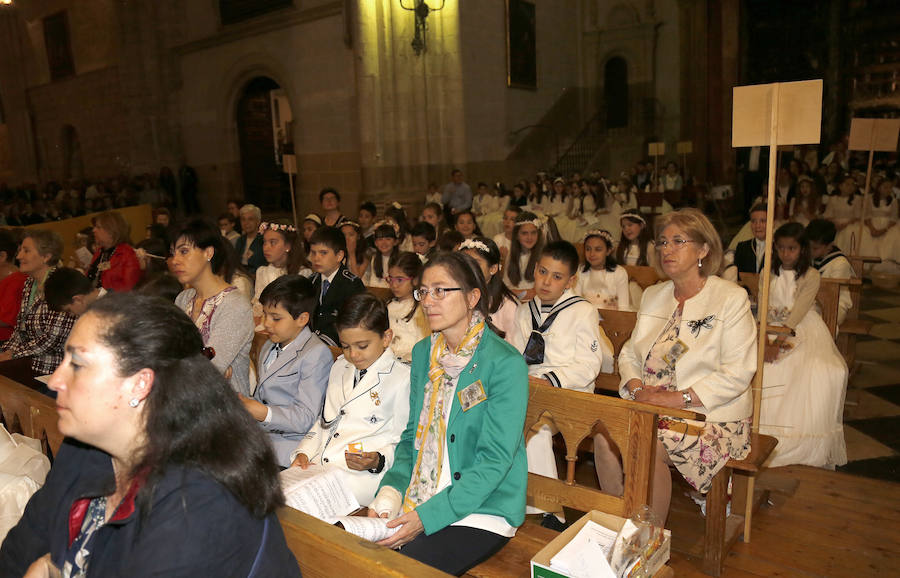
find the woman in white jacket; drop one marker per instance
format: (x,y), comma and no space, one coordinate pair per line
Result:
(693,346)
(366,405)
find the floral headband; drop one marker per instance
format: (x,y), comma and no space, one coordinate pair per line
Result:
(474,244)
(389,222)
(603,234)
(537,222)
(397,205)
(636,216)
(263,227)
(314,218)
(349,223)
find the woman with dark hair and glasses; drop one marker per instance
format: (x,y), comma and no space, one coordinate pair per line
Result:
(456,490)
(202,261)
(163,472)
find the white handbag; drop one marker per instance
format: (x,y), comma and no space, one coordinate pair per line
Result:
(23,469)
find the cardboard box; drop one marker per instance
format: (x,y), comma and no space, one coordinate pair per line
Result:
(540,564)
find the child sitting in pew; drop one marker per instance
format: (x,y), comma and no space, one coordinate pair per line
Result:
(559,334)
(602,281)
(407,319)
(367,402)
(293,366)
(333,283)
(829,260)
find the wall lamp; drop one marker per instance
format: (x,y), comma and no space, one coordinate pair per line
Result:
(421,11)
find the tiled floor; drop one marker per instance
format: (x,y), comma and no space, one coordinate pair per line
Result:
(872,410)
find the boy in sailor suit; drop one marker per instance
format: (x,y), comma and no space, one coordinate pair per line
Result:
(559,334)
(293,366)
(830,261)
(367,403)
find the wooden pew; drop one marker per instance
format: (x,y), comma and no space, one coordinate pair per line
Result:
(30,413)
(630,425)
(383,293)
(325,550)
(618,326)
(643,276)
(853,326)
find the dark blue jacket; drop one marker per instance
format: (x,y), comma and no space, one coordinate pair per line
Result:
(195,526)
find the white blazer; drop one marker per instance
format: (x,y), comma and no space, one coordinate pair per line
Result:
(720,333)
(575,350)
(373,414)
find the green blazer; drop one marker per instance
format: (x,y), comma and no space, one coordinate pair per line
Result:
(486,446)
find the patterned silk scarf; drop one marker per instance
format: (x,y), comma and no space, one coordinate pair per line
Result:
(431,435)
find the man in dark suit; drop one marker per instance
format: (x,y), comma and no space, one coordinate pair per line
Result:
(749,254)
(333,283)
(249,245)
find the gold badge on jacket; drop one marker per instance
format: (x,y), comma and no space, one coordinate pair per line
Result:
(471,396)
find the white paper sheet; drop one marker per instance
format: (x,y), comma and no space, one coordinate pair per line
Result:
(372,529)
(585,556)
(319,492)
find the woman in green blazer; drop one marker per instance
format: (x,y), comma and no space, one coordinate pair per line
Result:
(456,490)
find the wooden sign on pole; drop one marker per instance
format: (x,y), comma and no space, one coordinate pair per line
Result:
(871,134)
(656,150)
(289,164)
(771,115)
(684,148)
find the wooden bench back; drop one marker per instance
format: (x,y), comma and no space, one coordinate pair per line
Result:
(382,293)
(618,326)
(643,275)
(30,413)
(828,296)
(325,550)
(630,425)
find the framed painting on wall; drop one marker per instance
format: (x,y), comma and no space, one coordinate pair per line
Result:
(521,44)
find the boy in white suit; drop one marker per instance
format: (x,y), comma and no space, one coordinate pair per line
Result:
(293,366)
(367,403)
(559,334)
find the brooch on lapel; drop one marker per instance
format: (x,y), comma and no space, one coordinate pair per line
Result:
(697,324)
(375,398)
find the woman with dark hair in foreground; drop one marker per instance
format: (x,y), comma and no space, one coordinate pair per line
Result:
(162,473)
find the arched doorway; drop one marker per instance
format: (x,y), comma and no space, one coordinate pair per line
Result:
(615,92)
(264,124)
(73,164)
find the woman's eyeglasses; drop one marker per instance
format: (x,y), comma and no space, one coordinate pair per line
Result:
(390,279)
(437,293)
(676,243)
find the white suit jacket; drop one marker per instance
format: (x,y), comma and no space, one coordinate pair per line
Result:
(575,351)
(373,414)
(720,333)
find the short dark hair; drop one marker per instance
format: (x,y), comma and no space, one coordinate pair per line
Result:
(450,240)
(759,207)
(369,206)
(63,284)
(202,234)
(821,231)
(331,237)
(293,292)
(180,429)
(162,285)
(331,190)
(423,229)
(564,252)
(8,244)
(363,310)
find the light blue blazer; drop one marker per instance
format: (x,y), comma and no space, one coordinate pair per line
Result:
(293,387)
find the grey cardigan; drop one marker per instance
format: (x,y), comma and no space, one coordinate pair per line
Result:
(230,335)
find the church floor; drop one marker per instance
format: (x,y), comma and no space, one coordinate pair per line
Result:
(819,522)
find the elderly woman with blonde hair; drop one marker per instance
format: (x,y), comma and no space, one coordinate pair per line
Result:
(115,265)
(693,347)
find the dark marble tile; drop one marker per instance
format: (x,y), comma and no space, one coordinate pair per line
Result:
(877,468)
(885,430)
(890,393)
